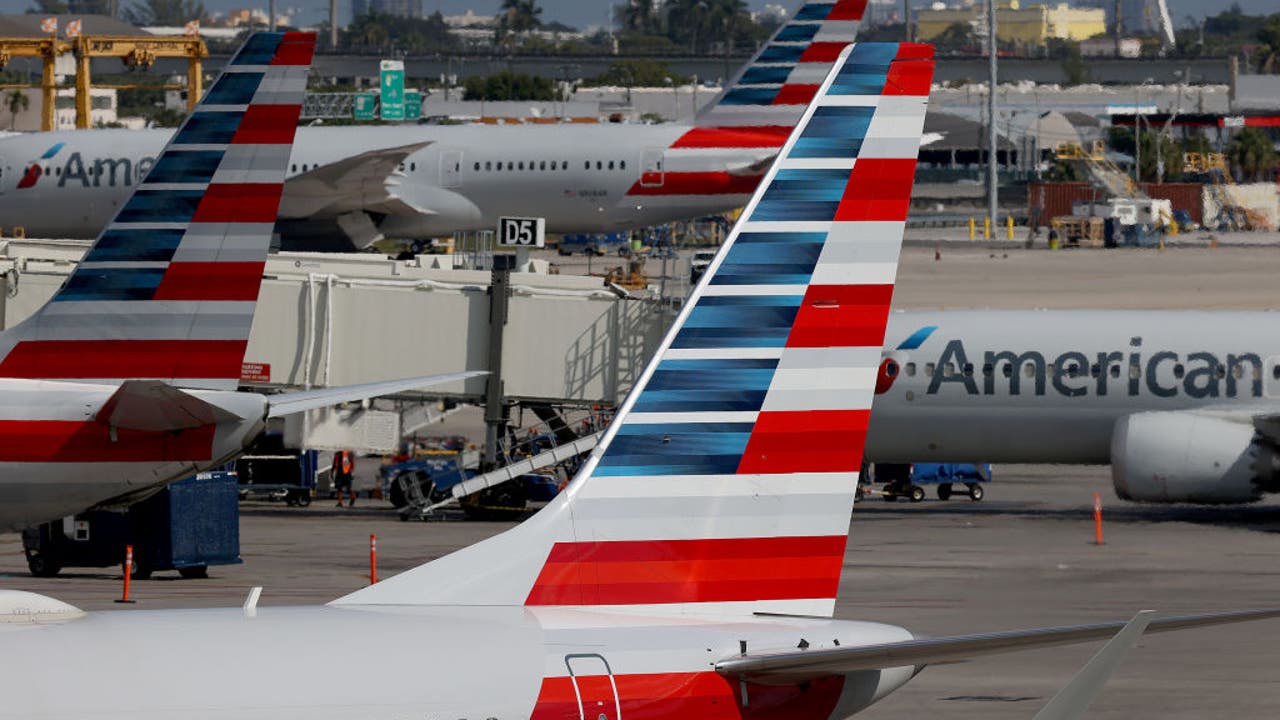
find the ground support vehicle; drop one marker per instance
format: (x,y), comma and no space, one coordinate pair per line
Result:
(899,480)
(186,526)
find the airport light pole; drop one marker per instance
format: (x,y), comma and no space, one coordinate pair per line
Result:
(992,177)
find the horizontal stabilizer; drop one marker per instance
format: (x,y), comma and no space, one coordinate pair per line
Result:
(154,406)
(1073,700)
(296,402)
(797,666)
(351,184)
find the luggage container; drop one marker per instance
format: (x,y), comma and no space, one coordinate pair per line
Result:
(187,526)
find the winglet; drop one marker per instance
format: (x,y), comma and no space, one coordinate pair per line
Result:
(1074,699)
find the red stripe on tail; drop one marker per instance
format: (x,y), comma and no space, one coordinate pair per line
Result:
(841,316)
(878,189)
(267,125)
(211,281)
(909,78)
(296,48)
(795,94)
(683,571)
(71,359)
(824,52)
(806,441)
(248,203)
(848,10)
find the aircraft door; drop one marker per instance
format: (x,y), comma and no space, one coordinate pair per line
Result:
(594,685)
(651,170)
(450,168)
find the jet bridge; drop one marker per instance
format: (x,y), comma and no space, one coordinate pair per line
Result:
(328,319)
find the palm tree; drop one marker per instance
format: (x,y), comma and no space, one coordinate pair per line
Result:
(521,15)
(1252,153)
(637,16)
(17,102)
(1268,52)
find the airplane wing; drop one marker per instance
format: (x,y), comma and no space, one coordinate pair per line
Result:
(797,666)
(363,182)
(295,402)
(154,406)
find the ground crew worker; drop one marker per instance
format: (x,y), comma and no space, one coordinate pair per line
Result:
(344,463)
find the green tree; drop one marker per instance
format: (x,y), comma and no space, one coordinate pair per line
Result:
(507,85)
(639,73)
(957,36)
(1268,52)
(638,16)
(1252,154)
(1074,67)
(17,101)
(518,17)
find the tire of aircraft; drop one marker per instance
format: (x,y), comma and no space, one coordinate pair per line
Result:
(975,492)
(917,493)
(944,491)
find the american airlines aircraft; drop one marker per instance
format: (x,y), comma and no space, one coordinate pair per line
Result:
(1185,405)
(691,567)
(125,380)
(350,186)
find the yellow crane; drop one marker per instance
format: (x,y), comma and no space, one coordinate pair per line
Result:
(135,51)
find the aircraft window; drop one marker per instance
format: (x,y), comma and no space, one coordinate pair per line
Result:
(414,166)
(1006,369)
(1095,370)
(1275,371)
(928,369)
(1050,369)
(949,370)
(402,164)
(1115,371)
(968,369)
(553,164)
(599,165)
(622,164)
(1029,370)
(1073,370)
(1178,370)
(542,165)
(587,164)
(58,171)
(988,370)
(520,165)
(564,164)
(1237,372)
(488,165)
(1135,372)
(910,369)
(477,167)
(610,164)
(1221,371)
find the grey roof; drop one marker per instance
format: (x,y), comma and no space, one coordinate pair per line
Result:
(28,25)
(958,133)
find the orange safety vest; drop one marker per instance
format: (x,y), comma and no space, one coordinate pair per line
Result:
(342,462)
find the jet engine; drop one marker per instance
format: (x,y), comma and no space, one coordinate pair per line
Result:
(1172,457)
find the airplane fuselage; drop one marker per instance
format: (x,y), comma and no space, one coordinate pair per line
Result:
(1049,386)
(57,458)
(581,178)
(504,663)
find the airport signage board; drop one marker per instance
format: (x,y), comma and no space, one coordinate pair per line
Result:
(524,232)
(412,104)
(391,90)
(364,105)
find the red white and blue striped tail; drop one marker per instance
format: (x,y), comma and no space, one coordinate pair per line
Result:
(167,292)
(772,91)
(725,483)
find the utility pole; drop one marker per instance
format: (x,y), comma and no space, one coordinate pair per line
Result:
(1118,24)
(333,24)
(495,410)
(271,16)
(906,19)
(992,148)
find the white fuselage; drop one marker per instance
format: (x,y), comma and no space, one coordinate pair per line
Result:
(1077,373)
(56,459)
(399,662)
(606,177)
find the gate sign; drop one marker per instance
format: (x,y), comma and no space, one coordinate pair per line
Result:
(362,108)
(522,232)
(392,89)
(412,104)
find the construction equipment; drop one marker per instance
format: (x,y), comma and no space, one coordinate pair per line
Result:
(134,51)
(1101,170)
(1214,167)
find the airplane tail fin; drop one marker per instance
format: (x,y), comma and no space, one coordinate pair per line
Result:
(167,291)
(725,483)
(770,94)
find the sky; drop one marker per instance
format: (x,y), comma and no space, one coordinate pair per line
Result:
(585,13)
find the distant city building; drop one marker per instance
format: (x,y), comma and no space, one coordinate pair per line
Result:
(1025,25)
(397,8)
(1106,47)
(102,110)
